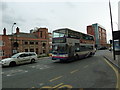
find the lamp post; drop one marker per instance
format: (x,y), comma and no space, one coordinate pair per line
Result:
(112,30)
(16,43)
(12,39)
(12,27)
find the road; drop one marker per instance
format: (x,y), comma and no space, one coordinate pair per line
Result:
(92,72)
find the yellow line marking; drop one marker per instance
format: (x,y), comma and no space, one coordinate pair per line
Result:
(65,86)
(116,72)
(55,78)
(57,85)
(81,88)
(46,87)
(86,66)
(33,87)
(74,71)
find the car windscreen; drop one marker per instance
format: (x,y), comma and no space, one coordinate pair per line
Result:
(16,55)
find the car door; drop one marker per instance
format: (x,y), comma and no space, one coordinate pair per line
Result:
(27,58)
(21,58)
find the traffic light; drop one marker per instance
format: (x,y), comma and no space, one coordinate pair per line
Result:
(111,41)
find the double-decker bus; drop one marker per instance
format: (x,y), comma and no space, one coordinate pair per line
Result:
(68,44)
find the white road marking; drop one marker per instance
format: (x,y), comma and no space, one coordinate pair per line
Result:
(14,72)
(41,84)
(2,72)
(26,71)
(41,66)
(8,75)
(21,71)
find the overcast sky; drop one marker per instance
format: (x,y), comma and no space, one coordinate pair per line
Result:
(55,14)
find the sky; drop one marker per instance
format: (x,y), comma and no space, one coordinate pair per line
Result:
(56,14)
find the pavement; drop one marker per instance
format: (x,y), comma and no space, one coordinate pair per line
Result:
(109,56)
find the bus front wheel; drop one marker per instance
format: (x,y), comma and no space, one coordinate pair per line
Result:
(76,56)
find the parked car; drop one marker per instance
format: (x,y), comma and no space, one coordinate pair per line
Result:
(20,58)
(102,48)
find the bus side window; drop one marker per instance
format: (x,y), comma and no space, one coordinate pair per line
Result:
(77,47)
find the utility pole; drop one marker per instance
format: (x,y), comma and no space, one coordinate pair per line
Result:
(16,43)
(12,39)
(112,30)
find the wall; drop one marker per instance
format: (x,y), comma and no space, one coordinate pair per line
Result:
(99,34)
(7,46)
(44,40)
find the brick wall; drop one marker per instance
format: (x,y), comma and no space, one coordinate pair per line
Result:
(6,47)
(40,44)
(101,33)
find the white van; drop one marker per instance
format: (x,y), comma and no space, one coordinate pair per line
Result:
(20,58)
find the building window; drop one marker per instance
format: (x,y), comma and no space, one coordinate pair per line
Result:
(36,50)
(26,42)
(44,44)
(2,43)
(41,34)
(32,43)
(26,50)
(50,38)
(31,50)
(43,51)
(1,53)
(36,43)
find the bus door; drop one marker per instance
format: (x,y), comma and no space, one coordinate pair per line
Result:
(71,51)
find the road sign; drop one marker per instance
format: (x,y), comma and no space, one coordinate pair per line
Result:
(116,35)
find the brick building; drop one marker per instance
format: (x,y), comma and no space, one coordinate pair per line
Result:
(99,33)
(35,41)
(50,41)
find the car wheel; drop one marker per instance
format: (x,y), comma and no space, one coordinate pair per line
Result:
(91,54)
(32,60)
(88,54)
(12,64)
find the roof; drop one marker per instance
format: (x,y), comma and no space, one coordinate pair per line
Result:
(99,25)
(27,35)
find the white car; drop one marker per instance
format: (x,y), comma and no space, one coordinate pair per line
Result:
(20,58)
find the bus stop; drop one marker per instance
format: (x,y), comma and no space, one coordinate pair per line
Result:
(116,37)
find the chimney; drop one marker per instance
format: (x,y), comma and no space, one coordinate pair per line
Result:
(17,30)
(31,31)
(4,31)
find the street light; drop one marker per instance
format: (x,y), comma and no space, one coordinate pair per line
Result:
(16,44)
(12,27)
(12,39)
(112,30)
